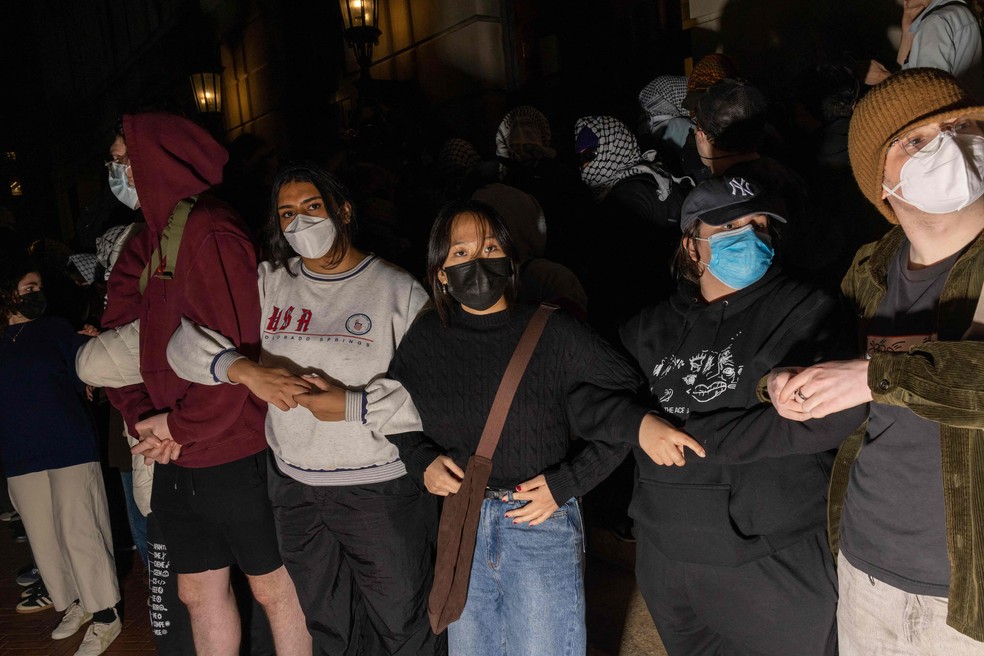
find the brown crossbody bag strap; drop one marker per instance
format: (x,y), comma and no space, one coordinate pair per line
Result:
(459,518)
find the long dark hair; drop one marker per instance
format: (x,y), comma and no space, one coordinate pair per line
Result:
(439,245)
(335,196)
(11,273)
(682,266)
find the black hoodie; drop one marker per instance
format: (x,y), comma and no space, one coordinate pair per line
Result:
(704,360)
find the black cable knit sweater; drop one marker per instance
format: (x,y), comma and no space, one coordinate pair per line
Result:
(575,385)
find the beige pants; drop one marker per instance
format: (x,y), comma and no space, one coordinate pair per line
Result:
(877,619)
(67,521)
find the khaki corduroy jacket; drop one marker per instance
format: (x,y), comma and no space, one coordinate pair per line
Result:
(942,381)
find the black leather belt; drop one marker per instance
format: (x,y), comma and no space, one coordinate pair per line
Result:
(499,494)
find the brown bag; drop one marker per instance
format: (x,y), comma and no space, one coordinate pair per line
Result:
(459,519)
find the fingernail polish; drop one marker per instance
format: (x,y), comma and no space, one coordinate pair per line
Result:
(519,488)
(516,521)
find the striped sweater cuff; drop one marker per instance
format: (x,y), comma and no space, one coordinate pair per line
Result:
(355,406)
(221,364)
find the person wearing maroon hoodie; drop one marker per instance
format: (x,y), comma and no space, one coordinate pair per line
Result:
(209,491)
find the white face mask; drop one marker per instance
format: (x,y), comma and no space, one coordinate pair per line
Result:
(311,236)
(121,188)
(948,180)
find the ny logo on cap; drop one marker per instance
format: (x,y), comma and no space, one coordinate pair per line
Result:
(741,185)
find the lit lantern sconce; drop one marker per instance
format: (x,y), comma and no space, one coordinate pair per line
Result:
(207,88)
(361,20)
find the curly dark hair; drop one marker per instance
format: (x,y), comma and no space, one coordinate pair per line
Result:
(336,197)
(11,273)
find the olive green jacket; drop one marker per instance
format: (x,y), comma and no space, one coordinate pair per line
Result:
(942,381)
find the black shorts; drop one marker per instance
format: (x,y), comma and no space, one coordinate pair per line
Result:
(214,517)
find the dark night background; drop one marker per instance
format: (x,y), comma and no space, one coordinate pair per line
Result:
(444,68)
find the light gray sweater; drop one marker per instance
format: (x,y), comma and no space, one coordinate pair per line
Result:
(346,329)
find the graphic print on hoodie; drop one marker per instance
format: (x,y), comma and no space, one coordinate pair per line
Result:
(703,358)
(706,375)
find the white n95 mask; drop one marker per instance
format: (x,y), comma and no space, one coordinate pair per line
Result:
(311,236)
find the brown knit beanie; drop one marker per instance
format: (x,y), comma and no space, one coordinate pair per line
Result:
(906,100)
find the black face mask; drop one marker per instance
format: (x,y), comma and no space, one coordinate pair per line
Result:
(479,283)
(32,305)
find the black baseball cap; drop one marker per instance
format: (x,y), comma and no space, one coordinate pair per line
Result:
(720,200)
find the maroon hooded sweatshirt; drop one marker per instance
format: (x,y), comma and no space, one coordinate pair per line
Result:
(214,285)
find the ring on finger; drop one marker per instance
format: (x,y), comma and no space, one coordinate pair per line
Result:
(798,393)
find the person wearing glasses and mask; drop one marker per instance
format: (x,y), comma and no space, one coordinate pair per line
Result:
(209,497)
(731,551)
(905,498)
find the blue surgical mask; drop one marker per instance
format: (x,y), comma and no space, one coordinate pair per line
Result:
(739,257)
(121,187)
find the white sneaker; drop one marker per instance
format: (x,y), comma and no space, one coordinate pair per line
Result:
(98,638)
(70,624)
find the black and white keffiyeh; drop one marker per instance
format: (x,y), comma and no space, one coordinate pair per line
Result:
(662,98)
(110,244)
(457,157)
(617,156)
(85,264)
(523,135)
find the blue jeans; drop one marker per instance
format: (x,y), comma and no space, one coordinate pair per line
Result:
(138,523)
(526,594)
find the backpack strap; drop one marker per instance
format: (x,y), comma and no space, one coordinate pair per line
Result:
(164,259)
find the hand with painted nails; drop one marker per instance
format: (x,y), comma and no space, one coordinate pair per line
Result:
(541,502)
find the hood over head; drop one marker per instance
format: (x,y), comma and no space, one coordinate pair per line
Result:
(523,135)
(616,155)
(662,99)
(457,157)
(171,158)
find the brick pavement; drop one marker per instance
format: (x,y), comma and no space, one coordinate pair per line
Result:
(30,635)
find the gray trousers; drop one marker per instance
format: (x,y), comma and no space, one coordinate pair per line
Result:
(875,618)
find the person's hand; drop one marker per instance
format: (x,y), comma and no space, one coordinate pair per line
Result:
(876,73)
(155,425)
(154,449)
(829,387)
(325,401)
(156,443)
(792,409)
(665,444)
(89,330)
(89,389)
(274,385)
(443,476)
(541,502)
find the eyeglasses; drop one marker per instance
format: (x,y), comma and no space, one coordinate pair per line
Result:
(922,141)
